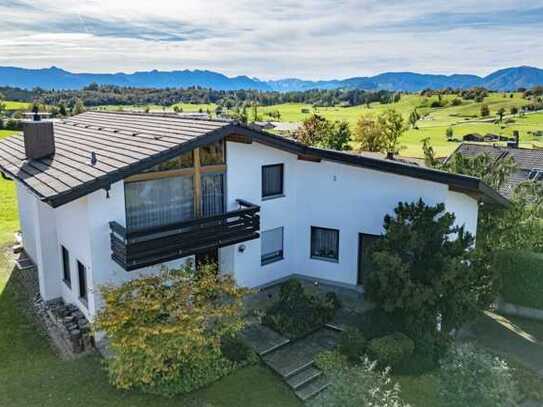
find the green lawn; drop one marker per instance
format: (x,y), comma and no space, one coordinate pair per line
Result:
(463,119)
(187,107)
(10,105)
(31,375)
(435,123)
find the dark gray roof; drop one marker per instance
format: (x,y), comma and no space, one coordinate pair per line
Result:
(525,158)
(128,143)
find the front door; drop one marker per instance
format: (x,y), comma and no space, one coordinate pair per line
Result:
(207,257)
(365,265)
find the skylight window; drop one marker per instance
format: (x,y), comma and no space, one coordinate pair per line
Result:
(536,174)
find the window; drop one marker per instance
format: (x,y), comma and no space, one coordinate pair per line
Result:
(324,244)
(183,161)
(272,180)
(212,194)
(66,275)
(212,154)
(82,276)
(536,174)
(272,245)
(159,202)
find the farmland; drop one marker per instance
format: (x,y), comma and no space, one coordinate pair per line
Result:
(464,118)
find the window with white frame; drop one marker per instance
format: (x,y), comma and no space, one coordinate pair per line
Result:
(272,245)
(324,244)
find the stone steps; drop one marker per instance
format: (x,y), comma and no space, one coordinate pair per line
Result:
(304,376)
(312,388)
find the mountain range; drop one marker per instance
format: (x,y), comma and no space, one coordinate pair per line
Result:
(56,78)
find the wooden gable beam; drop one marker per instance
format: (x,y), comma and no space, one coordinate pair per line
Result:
(309,157)
(239,138)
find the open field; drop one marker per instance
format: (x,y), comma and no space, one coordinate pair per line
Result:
(186,107)
(16,105)
(464,119)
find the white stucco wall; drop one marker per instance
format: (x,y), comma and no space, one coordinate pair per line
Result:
(102,210)
(351,199)
(39,239)
(28,218)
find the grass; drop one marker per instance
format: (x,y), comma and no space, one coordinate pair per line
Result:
(187,107)
(419,390)
(33,376)
(10,105)
(9,221)
(464,119)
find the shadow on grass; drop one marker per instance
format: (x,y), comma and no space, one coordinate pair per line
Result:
(33,376)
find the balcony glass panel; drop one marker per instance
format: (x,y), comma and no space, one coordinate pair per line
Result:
(212,194)
(159,202)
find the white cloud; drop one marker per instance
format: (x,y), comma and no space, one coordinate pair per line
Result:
(308,39)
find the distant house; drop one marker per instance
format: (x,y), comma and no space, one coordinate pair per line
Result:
(473,137)
(529,161)
(105,197)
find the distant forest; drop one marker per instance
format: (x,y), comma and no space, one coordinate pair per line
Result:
(96,95)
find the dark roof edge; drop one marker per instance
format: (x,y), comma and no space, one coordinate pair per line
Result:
(106,180)
(457,181)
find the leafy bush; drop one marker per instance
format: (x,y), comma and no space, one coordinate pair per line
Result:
(297,314)
(333,299)
(165,330)
(352,344)
(236,350)
(522,273)
(391,350)
(355,385)
(377,323)
(472,377)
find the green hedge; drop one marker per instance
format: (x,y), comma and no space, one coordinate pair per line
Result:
(522,278)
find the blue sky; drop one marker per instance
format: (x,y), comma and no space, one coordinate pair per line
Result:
(317,39)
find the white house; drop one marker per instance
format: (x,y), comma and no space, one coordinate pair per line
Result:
(104,197)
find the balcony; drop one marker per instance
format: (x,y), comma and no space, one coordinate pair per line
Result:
(133,250)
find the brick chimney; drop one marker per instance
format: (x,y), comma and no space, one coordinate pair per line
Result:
(39,137)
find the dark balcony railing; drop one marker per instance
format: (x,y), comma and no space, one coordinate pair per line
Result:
(140,248)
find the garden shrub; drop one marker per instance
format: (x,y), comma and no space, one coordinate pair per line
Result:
(165,330)
(352,344)
(333,299)
(473,377)
(355,384)
(522,273)
(391,350)
(235,349)
(377,323)
(296,313)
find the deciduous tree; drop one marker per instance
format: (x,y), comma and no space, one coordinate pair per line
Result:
(368,133)
(165,330)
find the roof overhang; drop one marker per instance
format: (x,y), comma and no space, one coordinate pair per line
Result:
(468,185)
